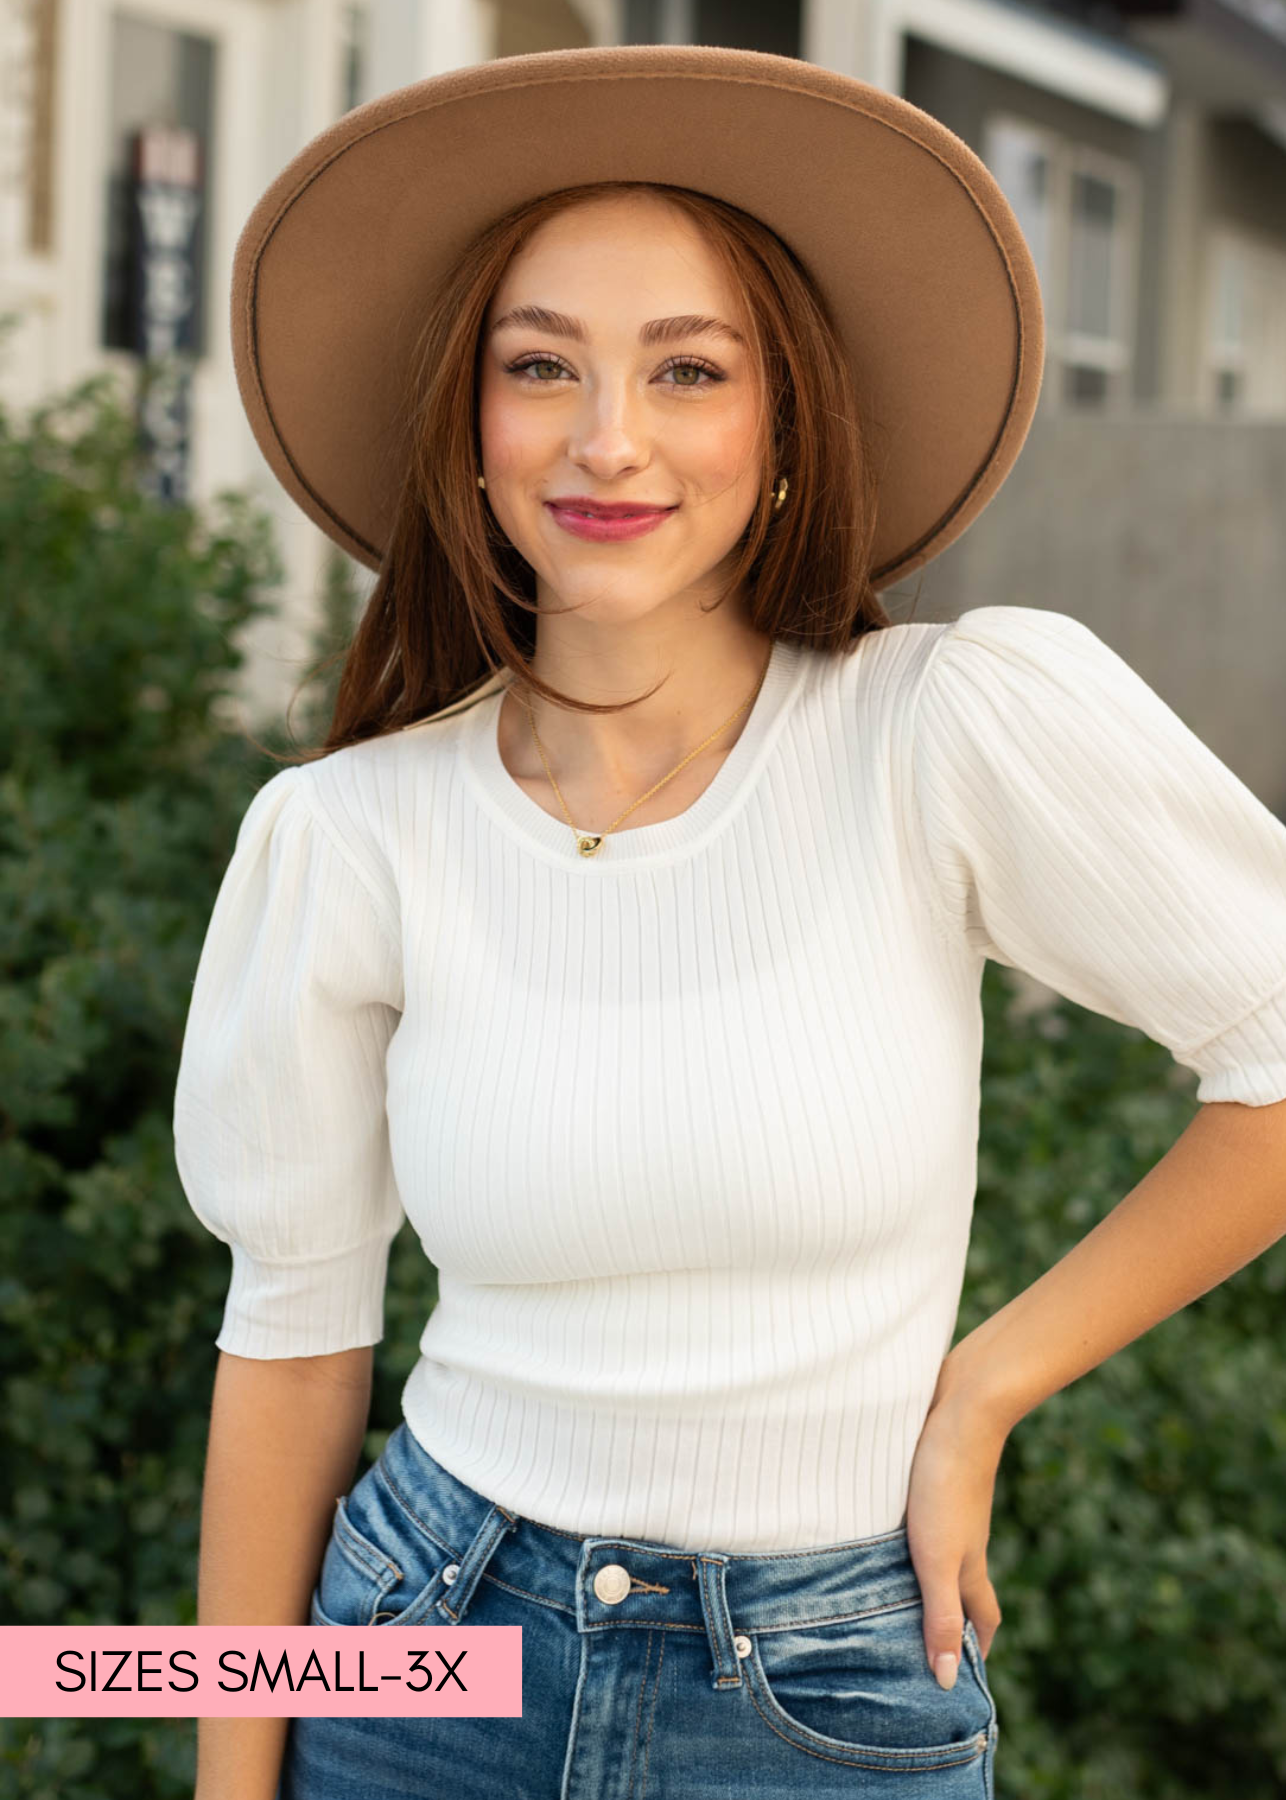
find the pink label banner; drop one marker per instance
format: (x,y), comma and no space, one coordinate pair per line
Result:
(273,1671)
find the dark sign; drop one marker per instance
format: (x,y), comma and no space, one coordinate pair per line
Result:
(167,193)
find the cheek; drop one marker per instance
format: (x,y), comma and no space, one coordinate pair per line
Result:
(725,451)
(512,437)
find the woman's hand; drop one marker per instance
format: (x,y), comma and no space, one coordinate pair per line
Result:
(948,1522)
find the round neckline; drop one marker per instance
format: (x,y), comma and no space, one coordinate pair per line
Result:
(513,808)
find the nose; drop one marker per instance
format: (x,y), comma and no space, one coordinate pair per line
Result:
(609,432)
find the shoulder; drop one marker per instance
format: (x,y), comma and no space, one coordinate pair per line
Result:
(1009,655)
(899,656)
(367,794)
(992,638)
(885,673)
(369,798)
(956,704)
(1030,669)
(995,636)
(884,663)
(333,820)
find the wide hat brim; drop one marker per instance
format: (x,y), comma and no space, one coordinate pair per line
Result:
(905,230)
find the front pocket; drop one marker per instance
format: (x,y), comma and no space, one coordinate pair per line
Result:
(861,1690)
(379,1568)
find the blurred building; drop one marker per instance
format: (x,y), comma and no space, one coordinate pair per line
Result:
(1142,144)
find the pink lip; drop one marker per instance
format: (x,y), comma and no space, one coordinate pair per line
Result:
(604,529)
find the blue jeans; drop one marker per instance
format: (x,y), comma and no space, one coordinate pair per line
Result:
(649,1670)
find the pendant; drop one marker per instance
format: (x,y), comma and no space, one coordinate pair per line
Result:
(587,845)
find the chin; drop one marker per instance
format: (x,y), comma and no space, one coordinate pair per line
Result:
(619,603)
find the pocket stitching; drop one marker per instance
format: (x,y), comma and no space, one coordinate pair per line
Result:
(418,1605)
(371,1563)
(891,1757)
(349,1538)
(979,1666)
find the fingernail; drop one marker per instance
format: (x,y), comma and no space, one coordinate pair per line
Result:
(944,1667)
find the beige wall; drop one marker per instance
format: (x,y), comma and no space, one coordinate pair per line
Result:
(524,26)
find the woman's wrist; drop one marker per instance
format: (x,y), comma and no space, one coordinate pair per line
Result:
(972,1389)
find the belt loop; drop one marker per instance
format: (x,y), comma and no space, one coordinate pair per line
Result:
(718,1620)
(453,1603)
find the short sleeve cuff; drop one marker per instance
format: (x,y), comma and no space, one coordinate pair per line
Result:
(310,1308)
(1248,1061)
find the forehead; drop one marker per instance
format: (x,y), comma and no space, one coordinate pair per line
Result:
(637,240)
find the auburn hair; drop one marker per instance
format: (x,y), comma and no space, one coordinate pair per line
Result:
(454,601)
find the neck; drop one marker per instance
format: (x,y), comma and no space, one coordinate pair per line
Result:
(708,674)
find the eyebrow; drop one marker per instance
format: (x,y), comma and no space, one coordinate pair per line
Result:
(656,331)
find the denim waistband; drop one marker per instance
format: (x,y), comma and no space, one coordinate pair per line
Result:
(623,1583)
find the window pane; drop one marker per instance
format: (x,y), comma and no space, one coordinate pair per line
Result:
(1230,298)
(1085,385)
(355,27)
(1095,211)
(771,25)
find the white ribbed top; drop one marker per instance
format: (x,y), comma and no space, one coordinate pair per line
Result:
(689,1128)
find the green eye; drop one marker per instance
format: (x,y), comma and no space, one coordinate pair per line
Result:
(539,363)
(711,374)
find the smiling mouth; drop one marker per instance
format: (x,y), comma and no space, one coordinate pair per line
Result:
(644,512)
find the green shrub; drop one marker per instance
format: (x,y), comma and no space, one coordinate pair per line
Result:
(1137,1548)
(120,793)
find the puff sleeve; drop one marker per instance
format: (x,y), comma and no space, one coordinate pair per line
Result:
(1075,828)
(280,1129)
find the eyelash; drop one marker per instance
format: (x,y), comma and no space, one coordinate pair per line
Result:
(678,362)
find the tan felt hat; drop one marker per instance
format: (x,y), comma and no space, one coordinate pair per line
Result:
(905,230)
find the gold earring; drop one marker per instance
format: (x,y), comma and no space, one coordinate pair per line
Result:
(482,481)
(782,485)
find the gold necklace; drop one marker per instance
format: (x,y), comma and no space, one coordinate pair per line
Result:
(587,844)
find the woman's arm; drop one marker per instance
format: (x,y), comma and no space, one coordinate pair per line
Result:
(285,1436)
(1215,1201)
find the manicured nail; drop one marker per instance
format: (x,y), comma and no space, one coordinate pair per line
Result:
(944,1667)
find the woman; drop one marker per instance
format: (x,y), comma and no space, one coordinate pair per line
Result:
(643,976)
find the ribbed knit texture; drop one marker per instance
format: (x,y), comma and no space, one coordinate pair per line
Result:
(689,1128)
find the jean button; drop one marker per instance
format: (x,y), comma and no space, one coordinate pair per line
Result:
(612,1583)
(741,1644)
(450,1572)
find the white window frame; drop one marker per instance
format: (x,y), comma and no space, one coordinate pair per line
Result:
(1259,360)
(1065,348)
